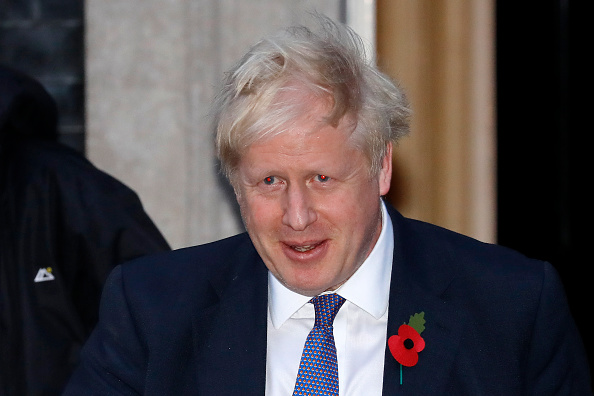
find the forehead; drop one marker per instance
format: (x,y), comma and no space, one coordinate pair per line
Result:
(309,147)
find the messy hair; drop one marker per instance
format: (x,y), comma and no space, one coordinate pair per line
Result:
(330,64)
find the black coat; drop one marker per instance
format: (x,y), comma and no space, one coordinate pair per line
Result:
(64,225)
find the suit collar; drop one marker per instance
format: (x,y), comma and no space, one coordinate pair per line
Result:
(230,335)
(421,275)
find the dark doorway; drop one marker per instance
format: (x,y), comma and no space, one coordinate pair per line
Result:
(544,106)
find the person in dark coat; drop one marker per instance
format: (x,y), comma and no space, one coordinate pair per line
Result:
(64,225)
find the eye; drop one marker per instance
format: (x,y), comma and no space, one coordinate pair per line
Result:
(322,178)
(269,180)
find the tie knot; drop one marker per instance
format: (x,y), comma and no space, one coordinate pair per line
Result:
(326,306)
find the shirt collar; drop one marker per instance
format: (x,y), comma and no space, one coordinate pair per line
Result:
(373,274)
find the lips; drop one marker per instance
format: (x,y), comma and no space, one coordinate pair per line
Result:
(305,248)
(303,251)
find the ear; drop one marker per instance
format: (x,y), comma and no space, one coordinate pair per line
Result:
(385,175)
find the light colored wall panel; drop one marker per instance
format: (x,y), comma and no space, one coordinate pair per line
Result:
(442,52)
(152,68)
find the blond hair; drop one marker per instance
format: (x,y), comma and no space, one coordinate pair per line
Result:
(330,63)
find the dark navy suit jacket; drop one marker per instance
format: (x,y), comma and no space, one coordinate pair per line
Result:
(193,322)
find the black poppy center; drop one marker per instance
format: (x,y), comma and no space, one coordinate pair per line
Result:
(408,343)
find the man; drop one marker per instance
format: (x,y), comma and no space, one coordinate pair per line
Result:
(64,225)
(304,133)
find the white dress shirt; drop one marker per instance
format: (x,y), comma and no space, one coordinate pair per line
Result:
(359,327)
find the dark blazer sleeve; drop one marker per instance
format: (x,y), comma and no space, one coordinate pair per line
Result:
(557,364)
(497,322)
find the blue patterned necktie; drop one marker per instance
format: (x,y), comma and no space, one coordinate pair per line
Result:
(318,370)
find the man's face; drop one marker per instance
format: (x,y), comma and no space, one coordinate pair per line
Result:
(310,205)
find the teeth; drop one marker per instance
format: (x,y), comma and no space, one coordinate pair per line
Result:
(304,248)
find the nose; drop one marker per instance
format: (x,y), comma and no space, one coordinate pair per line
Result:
(299,211)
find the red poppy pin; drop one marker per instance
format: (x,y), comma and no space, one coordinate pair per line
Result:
(406,345)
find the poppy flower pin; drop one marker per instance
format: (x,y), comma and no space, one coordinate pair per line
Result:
(406,345)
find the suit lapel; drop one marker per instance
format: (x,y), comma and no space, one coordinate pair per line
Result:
(230,336)
(420,279)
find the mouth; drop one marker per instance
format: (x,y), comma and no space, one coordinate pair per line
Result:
(305,248)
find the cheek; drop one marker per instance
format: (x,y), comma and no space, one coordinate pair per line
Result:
(355,202)
(258,214)
(343,213)
(360,212)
